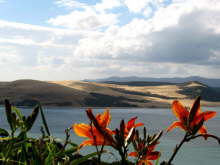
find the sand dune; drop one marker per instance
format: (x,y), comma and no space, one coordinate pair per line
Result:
(84,94)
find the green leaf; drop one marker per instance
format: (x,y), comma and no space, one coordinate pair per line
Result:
(14,121)
(9,114)
(157,161)
(44,121)
(23,156)
(71,150)
(22,135)
(17,111)
(52,152)
(84,158)
(31,119)
(73,144)
(68,152)
(3,133)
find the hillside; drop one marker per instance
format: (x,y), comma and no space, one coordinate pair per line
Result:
(208,81)
(92,94)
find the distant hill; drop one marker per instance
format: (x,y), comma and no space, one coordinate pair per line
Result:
(31,92)
(93,94)
(138,83)
(207,81)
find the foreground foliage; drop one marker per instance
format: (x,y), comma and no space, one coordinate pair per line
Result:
(16,147)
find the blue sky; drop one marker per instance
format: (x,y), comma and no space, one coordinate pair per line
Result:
(82,39)
(38,12)
(30,12)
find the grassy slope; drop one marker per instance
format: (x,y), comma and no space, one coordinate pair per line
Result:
(78,93)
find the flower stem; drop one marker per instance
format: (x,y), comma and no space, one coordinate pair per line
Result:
(206,136)
(177,149)
(96,146)
(123,156)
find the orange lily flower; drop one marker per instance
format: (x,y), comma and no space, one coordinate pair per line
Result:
(90,131)
(147,157)
(131,124)
(190,121)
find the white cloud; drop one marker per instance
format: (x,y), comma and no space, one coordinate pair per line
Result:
(147,12)
(23,45)
(32,34)
(85,20)
(89,17)
(8,56)
(137,5)
(181,34)
(144,7)
(178,39)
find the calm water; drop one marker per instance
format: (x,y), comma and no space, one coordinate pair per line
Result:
(199,152)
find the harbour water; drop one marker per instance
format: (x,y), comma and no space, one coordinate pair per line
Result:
(198,152)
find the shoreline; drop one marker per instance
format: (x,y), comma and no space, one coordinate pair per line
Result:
(98,107)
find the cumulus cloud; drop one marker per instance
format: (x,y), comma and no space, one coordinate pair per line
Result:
(23,45)
(179,33)
(184,34)
(85,20)
(136,6)
(178,38)
(144,7)
(186,42)
(88,17)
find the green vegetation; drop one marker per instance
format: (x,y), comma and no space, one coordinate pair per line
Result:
(17,148)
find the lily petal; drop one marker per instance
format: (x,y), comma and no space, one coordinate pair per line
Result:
(82,130)
(203,130)
(105,119)
(180,111)
(86,143)
(102,131)
(134,154)
(90,142)
(149,163)
(141,162)
(153,155)
(131,122)
(176,124)
(209,114)
(203,115)
(138,125)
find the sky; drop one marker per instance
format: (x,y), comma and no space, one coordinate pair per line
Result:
(88,39)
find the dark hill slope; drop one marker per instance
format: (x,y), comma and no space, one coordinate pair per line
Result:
(207,93)
(30,92)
